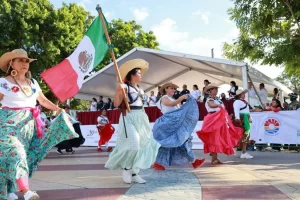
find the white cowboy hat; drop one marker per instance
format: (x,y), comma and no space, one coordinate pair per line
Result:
(131,64)
(166,85)
(7,57)
(240,91)
(210,86)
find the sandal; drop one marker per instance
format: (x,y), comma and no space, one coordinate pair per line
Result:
(216,161)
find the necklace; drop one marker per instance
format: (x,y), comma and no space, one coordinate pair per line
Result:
(22,88)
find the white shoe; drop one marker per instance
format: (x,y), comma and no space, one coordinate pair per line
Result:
(246,156)
(127,176)
(29,195)
(138,179)
(12,196)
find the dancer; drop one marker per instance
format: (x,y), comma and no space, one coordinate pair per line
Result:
(218,133)
(105,130)
(243,120)
(135,148)
(22,142)
(174,129)
(70,143)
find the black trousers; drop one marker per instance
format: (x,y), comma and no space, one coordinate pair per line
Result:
(76,142)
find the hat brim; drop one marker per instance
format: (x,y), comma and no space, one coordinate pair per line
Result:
(244,91)
(132,64)
(207,88)
(163,87)
(7,57)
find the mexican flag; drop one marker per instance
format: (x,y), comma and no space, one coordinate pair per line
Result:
(66,78)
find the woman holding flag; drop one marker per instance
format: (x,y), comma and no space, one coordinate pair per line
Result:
(135,148)
(22,142)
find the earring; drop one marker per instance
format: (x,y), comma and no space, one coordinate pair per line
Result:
(13,73)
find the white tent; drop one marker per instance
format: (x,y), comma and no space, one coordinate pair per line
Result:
(180,69)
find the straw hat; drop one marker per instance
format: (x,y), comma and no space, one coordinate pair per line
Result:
(131,64)
(166,85)
(240,91)
(7,57)
(210,86)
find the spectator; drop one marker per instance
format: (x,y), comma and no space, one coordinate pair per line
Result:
(233,89)
(275,93)
(146,100)
(196,93)
(294,105)
(263,93)
(152,99)
(176,94)
(100,103)
(93,105)
(158,94)
(206,95)
(285,106)
(223,97)
(184,91)
(108,104)
(275,106)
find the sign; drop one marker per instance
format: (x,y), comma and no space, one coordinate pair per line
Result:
(281,127)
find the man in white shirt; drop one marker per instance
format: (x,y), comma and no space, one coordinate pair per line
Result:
(263,93)
(152,99)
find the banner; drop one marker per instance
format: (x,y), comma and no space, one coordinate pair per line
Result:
(90,133)
(281,127)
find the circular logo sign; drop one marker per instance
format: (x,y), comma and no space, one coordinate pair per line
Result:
(272,126)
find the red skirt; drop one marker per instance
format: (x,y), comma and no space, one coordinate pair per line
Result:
(105,133)
(218,133)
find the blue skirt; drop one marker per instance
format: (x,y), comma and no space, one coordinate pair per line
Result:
(173,131)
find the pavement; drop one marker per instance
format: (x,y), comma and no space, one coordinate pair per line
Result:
(82,176)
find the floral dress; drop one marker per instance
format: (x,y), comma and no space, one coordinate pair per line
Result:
(21,148)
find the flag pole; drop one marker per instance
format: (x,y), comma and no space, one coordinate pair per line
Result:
(112,54)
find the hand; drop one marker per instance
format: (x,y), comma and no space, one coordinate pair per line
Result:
(183,97)
(58,110)
(250,120)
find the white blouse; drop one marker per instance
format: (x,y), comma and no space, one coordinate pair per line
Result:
(14,96)
(152,101)
(166,109)
(237,105)
(102,119)
(217,101)
(93,106)
(196,94)
(134,93)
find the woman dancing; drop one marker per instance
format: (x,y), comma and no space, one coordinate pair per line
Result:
(218,133)
(174,129)
(135,148)
(105,131)
(22,142)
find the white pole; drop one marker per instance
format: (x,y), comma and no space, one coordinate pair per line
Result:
(245,80)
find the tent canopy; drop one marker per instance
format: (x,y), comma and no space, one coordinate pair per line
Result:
(179,68)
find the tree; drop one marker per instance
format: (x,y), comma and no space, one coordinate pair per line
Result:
(291,81)
(269,33)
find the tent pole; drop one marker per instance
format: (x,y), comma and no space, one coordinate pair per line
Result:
(253,86)
(245,80)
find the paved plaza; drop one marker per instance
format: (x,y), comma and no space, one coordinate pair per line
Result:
(82,176)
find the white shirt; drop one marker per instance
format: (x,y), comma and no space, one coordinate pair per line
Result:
(263,94)
(93,106)
(102,119)
(145,100)
(196,94)
(237,105)
(14,96)
(134,93)
(166,109)
(216,101)
(251,92)
(152,101)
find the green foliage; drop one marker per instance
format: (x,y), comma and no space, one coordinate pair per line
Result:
(292,81)
(269,33)
(50,35)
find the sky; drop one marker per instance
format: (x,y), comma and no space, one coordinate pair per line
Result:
(193,28)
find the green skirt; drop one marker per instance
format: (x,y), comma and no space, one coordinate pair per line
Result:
(139,149)
(21,150)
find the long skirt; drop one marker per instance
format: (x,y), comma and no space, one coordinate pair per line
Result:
(173,131)
(139,149)
(218,133)
(21,150)
(105,133)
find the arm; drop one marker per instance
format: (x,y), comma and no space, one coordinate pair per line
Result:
(167,102)
(46,103)
(119,95)
(1,96)
(276,109)
(213,105)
